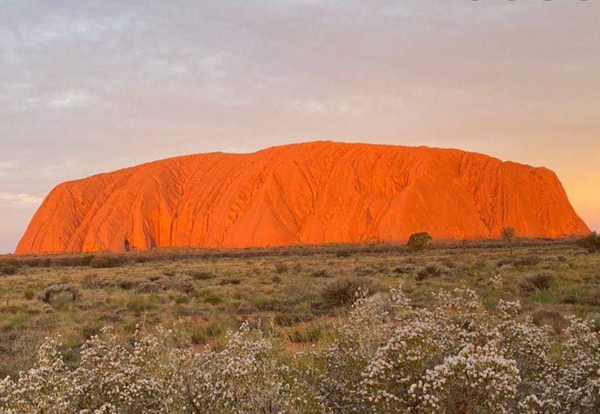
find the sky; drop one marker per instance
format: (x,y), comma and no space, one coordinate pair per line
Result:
(90,86)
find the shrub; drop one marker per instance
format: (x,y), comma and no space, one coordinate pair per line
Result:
(162,283)
(200,274)
(590,243)
(480,264)
(213,298)
(344,291)
(139,304)
(405,268)
(62,300)
(265,303)
(531,260)
(505,262)
(386,357)
(364,270)
(321,273)
(182,300)
(93,282)
(449,263)
(126,283)
(555,320)
(281,268)
(418,241)
(148,287)
(184,284)
(306,334)
(107,261)
(539,281)
(287,319)
(67,290)
(542,280)
(72,261)
(432,270)
(169,272)
(29,293)
(594,319)
(8,269)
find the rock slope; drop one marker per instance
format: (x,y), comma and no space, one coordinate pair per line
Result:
(321,192)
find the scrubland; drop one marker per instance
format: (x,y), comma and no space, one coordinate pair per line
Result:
(473,328)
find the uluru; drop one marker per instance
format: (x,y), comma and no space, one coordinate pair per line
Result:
(310,193)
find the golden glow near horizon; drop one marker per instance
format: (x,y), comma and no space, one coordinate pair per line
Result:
(94,86)
(584,194)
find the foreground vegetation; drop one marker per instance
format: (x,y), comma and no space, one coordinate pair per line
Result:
(454,357)
(148,332)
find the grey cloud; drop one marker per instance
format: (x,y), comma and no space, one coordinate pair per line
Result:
(89,86)
(19,199)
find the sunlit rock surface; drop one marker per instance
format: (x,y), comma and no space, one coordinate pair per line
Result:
(321,192)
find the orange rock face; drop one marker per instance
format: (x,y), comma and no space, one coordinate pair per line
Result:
(312,193)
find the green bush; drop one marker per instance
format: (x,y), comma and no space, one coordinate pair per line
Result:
(73,261)
(182,300)
(92,281)
(126,283)
(29,293)
(344,291)
(198,336)
(405,268)
(148,286)
(418,241)
(200,274)
(321,273)
(139,304)
(266,303)
(538,281)
(343,253)
(213,298)
(432,270)
(590,243)
(555,320)
(505,262)
(526,261)
(306,334)
(107,261)
(66,290)
(10,266)
(8,269)
(62,300)
(281,268)
(531,260)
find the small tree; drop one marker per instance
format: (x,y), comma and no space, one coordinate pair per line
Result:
(509,236)
(418,241)
(590,243)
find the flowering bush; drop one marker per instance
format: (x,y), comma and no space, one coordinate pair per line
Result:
(387,357)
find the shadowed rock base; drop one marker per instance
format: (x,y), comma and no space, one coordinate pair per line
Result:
(321,192)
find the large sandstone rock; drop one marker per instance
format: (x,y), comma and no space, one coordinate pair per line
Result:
(311,193)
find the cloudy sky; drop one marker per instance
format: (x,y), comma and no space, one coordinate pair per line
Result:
(89,86)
